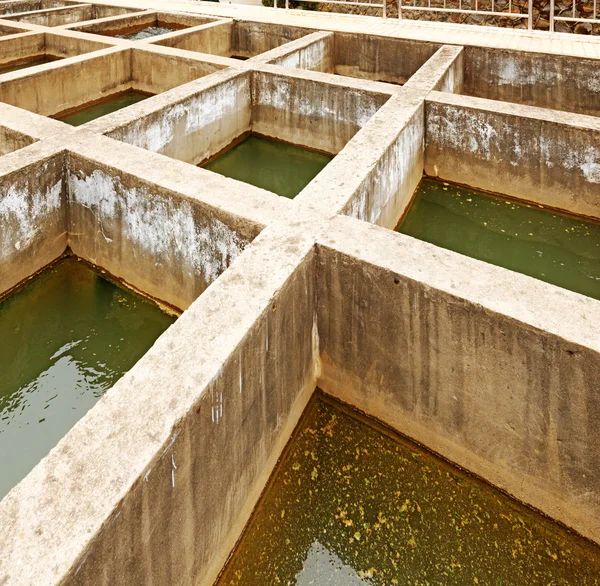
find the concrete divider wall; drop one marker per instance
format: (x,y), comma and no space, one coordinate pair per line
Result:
(539,155)
(56,16)
(214,38)
(485,371)
(380,58)
(17,6)
(21,47)
(392,156)
(199,125)
(54,90)
(33,220)
(535,79)
(308,112)
(63,46)
(155,72)
(251,38)
(314,52)
(174,457)
(169,246)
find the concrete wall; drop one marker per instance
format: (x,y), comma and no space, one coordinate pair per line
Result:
(536,79)
(535,154)
(252,38)
(380,58)
(473,361)
(314,52)
(199,125)
(214,38)
(307,112)
(34,44)
(17,6)
(169,246)
(375,175)
(33,221)
(120,25)
(183,444)
(156,72)
(57,89)
(69,14)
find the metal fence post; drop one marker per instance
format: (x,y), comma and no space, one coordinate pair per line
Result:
(287,4)
(530,15)
(399,8)
(551,16)
(384,8)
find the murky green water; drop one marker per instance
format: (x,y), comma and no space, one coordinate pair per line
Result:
(553,247)
(281,168)
(146,33)
(65,338)
(112,104)
(23,64)
(352,505)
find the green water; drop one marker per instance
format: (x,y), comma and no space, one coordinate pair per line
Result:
(66,337)
(281,168)
(146,33)
(111,104)
(553,247)
(351,504)
(23,64)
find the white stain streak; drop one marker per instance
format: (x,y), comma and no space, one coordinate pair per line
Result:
(162,227)
(23,214)
(174,467)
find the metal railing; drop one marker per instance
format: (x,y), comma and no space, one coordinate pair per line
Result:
(474,8)
(469,11)
(379,4)
(594,20)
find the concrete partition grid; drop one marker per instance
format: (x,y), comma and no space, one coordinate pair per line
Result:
(493,370)
(473,361)
(540,155)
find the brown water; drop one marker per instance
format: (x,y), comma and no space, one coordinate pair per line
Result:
(65,338)
(25,63)
(352,503)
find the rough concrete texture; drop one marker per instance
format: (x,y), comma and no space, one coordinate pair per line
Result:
(544,156)
(68,14)
(188,449)
(65,85)
(296,109)
(548,81)
(44,44)
(118,25)
(380,58)
(314,52)
(491,376)
(493,370)
(33,224)
(18,6)
(209,116)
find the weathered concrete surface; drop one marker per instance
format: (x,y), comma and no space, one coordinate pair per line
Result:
(380,58)
(118,25)
(548,157)
(375,175)
(443,71)
(124,217)
(238,38)
(535,79)
(156,482)
(476,362)
(71,83)
(18,6)
(297,109)
(204,118)
(314,52)
(65,15)
(39,44)
(33,220)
